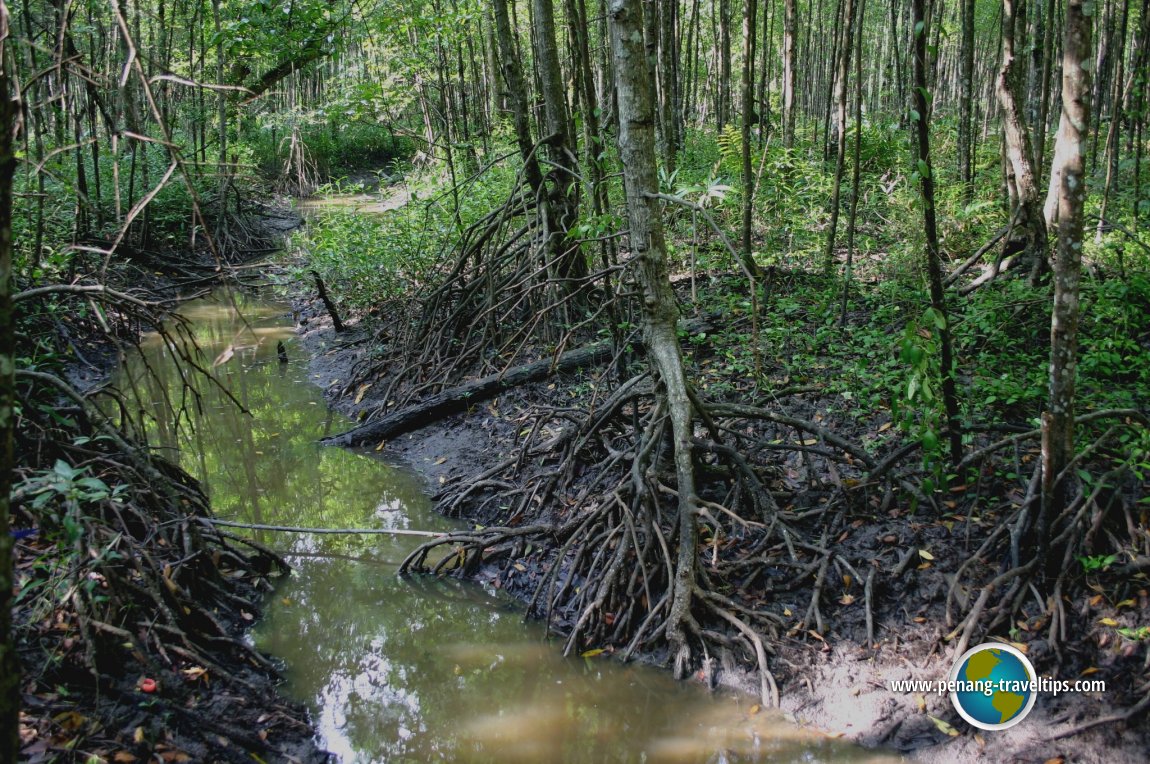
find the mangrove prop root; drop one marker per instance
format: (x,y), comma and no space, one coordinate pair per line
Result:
(605,564)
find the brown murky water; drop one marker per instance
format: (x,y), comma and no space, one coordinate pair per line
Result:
(399,670)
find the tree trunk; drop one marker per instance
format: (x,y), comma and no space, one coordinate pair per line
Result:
(749,29)
(668,74)
(842,70)
(9,668)
(966,102)
(563,205)
(517,95)
(1141,71)
(1116,100)
(660,313)
(1058,421)
(1040,128)
(1028,230)
(790,30)
(724,108)
(933,255)
(856,161)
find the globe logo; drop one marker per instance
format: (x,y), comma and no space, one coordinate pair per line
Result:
(993,686)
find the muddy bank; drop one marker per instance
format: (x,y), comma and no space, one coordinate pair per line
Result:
(132,612)
(837,682)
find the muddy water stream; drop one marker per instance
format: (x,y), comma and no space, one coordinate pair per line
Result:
(400,670)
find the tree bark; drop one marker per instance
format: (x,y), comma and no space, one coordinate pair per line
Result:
(9,668)
(1058,421)
(856,162)
(930,225)
(790,31)
(749,32)
(966,102)
(723,111)
(563,205)
(1117,98)
(517,95)
(660,313)
(1025,217)
(842,70)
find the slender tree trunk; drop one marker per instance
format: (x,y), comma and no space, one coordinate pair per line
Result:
(690,102)
(564,202)
(930,226)
(1025,216)
(966,102)
(751,20)
(660,313)
(668,73)
(790,31)
(834,61)
(517,95)
(9,668)
(221,122)
(1058,421)
(424,103)
(842,72)
(500,98)
(749,28)
(1102,67)
(1040,127)
(724,111)
(577,11)
(1112,138)
(1141,72)
(765,75)
(899,77)
(856,150)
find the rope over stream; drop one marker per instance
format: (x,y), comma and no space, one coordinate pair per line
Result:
(294,529)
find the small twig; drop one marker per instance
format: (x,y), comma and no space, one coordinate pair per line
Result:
(868,590)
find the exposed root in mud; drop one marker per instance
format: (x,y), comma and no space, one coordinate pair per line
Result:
(1040,551)
(506,290)
(583,524)
(614,565)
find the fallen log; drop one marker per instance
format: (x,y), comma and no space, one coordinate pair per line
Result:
(459,398)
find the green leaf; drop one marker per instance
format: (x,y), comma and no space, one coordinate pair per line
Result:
(944,727)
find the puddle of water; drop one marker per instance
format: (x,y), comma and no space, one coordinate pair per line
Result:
(408,670)
(369,204)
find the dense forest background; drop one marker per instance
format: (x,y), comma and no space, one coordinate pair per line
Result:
(926,217)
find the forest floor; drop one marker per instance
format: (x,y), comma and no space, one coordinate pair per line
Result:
(151,691)
(835,680)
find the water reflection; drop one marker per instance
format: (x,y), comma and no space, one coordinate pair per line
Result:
(398,670)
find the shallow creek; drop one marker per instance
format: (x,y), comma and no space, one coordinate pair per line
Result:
(403,670)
